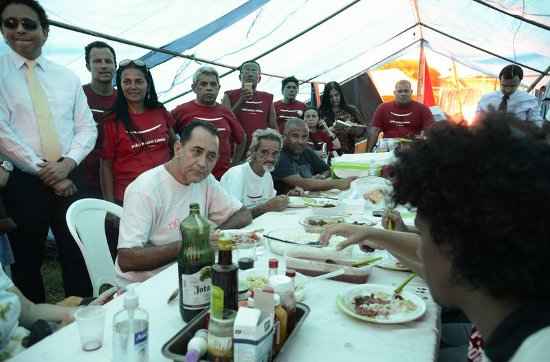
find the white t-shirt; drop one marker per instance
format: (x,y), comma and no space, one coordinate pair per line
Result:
(245,185)
(154,205)
(534,348)
(11,334)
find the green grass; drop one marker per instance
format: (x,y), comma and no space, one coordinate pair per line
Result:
(53,282)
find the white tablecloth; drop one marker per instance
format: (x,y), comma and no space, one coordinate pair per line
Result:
(326,335)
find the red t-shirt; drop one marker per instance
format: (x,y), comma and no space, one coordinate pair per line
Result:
(398,121)
(100,106)
(253,113)
(319,137)
(130,156)
(224,120)
(285,111)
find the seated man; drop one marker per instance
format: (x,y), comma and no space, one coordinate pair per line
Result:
(251,182)
(299,166)
(19,314)
(400,118)
(158,200)
(474,227)
(510,99)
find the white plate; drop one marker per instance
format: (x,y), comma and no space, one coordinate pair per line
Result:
(296,202)
(391,263)
(299,236)
(345,302)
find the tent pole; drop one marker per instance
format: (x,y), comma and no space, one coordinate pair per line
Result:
(521,18)
(384,60)
(322,21)
(421,75)
(135,44)
(539,78)
(481,49)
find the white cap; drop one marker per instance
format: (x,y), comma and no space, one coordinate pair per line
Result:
(281,283)
(131,299)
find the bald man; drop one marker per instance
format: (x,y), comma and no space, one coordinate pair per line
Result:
(299,165)
(400,118)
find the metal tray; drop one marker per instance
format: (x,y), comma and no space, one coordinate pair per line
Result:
(176,347)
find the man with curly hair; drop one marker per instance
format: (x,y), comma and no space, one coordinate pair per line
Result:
(481,248)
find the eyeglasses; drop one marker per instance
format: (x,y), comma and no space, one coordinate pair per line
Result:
(26,23)
(137,63)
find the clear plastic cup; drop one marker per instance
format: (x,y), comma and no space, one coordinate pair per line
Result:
(91,325)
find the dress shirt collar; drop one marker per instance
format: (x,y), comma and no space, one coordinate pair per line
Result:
(19,61)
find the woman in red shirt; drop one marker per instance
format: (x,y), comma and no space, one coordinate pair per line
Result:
(319,133)
(138,135)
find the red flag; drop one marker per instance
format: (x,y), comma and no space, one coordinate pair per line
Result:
(428,91)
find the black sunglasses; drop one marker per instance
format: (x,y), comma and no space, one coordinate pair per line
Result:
(127,62)
(13,23)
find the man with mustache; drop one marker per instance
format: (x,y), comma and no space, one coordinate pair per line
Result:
(251,182)
(206,85)
(299,166)
(289,106)
(158,200)
(253,108)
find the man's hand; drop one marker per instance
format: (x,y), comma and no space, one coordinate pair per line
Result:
(345,183)
(65,188)
(278,203)
(297,191)
(4,177)
(53,172)
(396,220)
(354,234)
(246,94)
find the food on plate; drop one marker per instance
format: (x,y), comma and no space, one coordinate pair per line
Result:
(256,282)
(382,305)
(244,237)
(328,205)
(374,196)
(324,221)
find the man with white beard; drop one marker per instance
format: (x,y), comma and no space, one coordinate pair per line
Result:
(251,182)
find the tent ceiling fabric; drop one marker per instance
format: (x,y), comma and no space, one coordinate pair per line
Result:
(344,46)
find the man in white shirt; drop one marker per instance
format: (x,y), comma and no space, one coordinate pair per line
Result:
(158,200)
(46,129)
(509,99)
(251,182)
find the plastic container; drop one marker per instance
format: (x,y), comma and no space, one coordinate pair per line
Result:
(130,331)
(176,347)
(284,286)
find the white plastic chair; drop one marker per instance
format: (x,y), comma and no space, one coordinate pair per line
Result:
(86,222)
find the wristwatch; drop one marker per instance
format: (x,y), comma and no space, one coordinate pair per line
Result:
(7,165)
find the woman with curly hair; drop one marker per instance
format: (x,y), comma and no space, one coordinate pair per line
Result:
(334,107)
(481,248)
(138,135)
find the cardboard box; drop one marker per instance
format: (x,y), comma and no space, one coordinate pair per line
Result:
(253,330)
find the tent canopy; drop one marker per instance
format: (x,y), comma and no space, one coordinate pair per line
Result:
(477,35)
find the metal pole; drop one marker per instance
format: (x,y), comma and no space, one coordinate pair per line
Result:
(481,49)
(322,21)
(539,78)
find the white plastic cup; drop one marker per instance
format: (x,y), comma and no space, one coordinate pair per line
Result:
(91,325)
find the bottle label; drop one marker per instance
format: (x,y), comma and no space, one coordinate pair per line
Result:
(140,345)
(196,289)
(220,346)
(216,306)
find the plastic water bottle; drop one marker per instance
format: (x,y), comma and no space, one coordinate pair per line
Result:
(131,331)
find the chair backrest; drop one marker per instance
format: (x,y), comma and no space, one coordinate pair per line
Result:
(86,222)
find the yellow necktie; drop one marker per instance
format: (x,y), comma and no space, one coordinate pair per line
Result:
(49,139)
